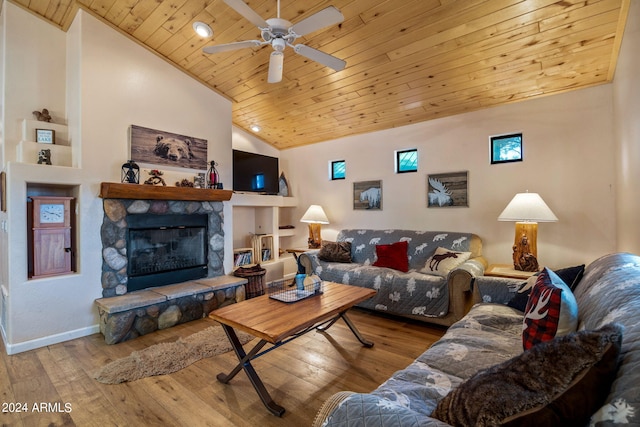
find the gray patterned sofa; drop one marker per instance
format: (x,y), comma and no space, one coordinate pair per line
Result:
(491,334)
(440,299)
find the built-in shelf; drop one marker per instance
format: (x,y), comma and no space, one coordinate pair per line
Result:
(60,149)
(113,190)
(258,200)
(286,232)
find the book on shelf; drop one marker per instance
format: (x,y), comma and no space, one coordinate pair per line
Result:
(242,258)
(266,254)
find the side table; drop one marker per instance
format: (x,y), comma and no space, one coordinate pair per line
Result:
(507,270)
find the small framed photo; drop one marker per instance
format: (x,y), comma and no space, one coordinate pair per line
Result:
(45,136)
(506,148)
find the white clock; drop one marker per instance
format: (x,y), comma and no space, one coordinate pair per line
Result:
(51,213)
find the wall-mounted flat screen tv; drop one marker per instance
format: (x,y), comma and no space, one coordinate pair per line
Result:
(255,173)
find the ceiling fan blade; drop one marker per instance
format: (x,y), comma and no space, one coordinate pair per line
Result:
(230,46)
(249,14)
(275,67)
(324,18)
(321,57)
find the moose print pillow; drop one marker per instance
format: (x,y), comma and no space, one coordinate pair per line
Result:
(443,261)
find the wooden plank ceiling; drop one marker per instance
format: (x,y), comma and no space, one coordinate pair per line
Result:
(407,60)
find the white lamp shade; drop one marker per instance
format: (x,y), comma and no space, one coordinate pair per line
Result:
(527,207)
(315,214)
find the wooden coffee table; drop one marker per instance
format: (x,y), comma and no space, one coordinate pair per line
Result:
(278,322)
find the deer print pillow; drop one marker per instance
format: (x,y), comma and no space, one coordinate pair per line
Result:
(443,261)
(551,310)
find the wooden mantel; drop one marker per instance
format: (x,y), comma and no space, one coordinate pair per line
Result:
(113,190)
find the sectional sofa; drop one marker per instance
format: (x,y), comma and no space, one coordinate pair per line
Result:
(479,374)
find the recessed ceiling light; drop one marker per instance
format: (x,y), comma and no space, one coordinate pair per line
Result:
(255,128)
(202,29)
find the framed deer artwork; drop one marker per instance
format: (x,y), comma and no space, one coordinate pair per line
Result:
(445,190)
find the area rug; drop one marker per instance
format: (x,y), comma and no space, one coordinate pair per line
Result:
(165,358)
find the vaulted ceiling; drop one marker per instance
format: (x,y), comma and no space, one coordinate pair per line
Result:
(408,61)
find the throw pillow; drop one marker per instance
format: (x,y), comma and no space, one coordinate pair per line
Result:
(335,252)
(393,256)
(569,275)
(551,311)
(519,301)
(443,261)
(561,382)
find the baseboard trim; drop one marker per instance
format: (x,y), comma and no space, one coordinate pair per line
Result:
(48,340)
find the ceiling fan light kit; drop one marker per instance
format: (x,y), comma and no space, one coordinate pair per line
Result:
(275,67)
(280,33)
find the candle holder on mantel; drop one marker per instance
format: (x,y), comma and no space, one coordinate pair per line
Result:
(213,179)
(130,173)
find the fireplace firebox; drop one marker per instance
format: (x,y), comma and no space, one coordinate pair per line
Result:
(166,249)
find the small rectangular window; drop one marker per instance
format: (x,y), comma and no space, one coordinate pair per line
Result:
(338,169)
(407,160)
(506,148)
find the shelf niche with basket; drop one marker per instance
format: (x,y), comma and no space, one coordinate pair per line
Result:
(262,215)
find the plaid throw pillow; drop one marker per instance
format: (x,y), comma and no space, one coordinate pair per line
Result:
(551,310)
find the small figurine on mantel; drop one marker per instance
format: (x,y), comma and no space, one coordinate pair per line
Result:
(42,116)
(184,183)
(198,180)
(155,178)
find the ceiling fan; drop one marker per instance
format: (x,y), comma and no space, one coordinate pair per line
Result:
(280,33)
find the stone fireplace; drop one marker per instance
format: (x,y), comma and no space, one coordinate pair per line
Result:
(156,214)
(162,258)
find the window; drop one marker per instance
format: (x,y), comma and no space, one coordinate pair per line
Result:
(506,148)
(338,169)
(407,160)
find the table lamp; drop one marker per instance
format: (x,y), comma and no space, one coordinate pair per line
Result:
(315,216)
(527,210)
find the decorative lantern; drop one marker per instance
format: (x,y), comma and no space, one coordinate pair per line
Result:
(212,176)
(130,173)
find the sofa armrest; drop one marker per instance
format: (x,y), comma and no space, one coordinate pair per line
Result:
(328,406)
(499,290)
(471,268)
(459,282)
(307,260)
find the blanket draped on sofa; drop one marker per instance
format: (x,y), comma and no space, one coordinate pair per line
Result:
(405,293)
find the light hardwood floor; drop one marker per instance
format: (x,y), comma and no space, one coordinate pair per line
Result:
(300,376)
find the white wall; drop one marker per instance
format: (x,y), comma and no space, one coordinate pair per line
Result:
(111,83)
(627,131)
(568,159)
